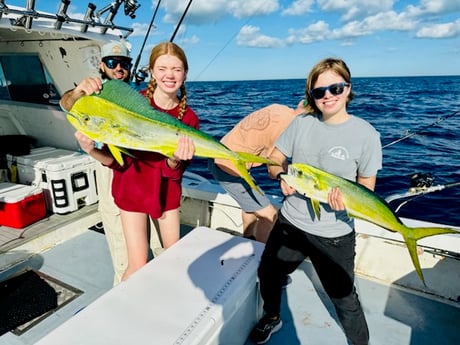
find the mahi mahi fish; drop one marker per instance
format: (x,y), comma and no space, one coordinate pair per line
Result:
(122,118)
(359,202)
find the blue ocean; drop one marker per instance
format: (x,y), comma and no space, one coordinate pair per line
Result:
(418,119)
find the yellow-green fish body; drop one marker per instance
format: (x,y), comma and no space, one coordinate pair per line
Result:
(360,202)
(124,119)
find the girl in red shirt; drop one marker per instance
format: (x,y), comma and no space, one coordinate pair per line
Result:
(149,183)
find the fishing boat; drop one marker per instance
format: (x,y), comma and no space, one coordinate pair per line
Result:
(204,289)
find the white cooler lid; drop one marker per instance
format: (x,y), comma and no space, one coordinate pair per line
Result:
(179,297)
(13,192)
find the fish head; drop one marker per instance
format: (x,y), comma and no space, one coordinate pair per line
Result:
(306,181)
(299,179)
(304,173)
(87,124)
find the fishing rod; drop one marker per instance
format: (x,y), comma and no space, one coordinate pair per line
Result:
(421,184)
(142,73)
(416,192)
(411,134)
(180,21)
(140,76)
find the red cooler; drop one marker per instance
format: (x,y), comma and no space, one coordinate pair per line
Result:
(21,205)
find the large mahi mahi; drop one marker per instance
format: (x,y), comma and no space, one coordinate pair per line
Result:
(359,202)
(122,118)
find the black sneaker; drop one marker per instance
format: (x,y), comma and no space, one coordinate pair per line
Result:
(261,333)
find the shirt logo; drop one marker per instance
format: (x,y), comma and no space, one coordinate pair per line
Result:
(339,152)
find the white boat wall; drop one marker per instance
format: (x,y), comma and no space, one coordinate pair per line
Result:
(44,55)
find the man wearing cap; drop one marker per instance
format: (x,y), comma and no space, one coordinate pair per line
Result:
(115,64)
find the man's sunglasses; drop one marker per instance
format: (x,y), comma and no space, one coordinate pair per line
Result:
(334,89)
(113,63)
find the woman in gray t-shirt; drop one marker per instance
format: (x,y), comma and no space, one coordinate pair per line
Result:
(331,139)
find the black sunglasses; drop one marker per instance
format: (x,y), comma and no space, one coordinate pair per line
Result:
(334,89)
(113,63)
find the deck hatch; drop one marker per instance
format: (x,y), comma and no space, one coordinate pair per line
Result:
(46,293)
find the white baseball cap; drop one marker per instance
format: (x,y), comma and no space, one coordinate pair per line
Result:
(114,48)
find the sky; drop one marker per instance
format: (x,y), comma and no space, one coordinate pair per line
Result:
(274,39)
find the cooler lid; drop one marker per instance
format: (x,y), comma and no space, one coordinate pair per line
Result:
(13,192)
(181,297)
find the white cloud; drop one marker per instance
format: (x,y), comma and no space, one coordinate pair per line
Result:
(446,30)
(352,9)
(199,12)
(318,31)
(321,31)
(250,36)
(251,8)
(298,7)
(206,11)
(360,18)
(439,6)
(140,29)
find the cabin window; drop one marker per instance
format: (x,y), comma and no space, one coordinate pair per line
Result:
(24,79)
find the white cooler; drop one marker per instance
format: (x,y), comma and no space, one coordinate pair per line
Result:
(203,290)
(68,178)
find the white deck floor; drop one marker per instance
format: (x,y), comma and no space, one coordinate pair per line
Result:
(395,316)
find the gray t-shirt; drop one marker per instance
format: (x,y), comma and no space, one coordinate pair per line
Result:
(348,150)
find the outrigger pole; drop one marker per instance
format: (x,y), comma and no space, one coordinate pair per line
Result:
(180,22)
(145,39)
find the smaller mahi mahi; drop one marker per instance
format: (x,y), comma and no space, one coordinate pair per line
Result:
(122,118)
(359,202)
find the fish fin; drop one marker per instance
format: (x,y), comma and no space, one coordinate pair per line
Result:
(131,100)
(125,151)
(411,235)
(116,153)
(316,208)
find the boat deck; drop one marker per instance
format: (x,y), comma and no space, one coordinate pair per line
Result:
(395,315)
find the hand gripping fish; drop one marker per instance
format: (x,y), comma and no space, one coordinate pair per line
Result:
(359,202)
(122,118)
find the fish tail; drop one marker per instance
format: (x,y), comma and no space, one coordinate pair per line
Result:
(411,237)
(240,164)
(244,173)
(251,158)
(412,247)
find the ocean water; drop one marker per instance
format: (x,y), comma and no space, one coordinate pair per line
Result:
(428,107)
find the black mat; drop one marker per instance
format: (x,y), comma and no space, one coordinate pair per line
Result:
(23,298)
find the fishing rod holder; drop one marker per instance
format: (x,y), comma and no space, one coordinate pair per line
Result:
(88,19)
(62,14)
(130,8)
(92,17)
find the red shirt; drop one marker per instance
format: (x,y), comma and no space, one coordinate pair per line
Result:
(146,183)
